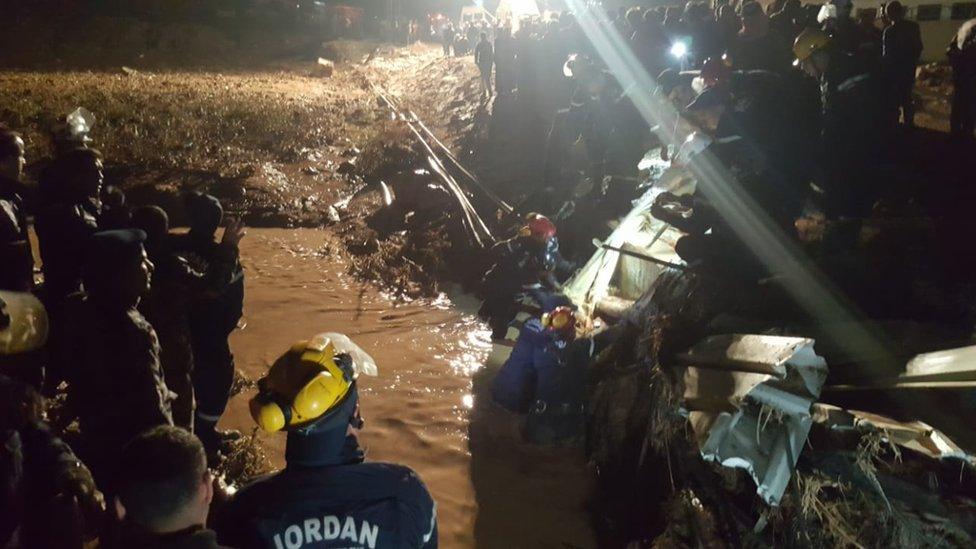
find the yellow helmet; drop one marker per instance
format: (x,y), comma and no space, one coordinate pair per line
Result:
(312,379)
(809,41)
(23,323)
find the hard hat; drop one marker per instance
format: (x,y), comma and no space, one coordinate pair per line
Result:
(312,379)
(715,70)
(808,42)
(560,321)
(539,227)
(23,323)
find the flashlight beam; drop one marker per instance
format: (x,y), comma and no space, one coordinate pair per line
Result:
(808,287)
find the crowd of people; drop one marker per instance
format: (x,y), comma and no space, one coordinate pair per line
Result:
(744,35)
(794,105)
(127,330)
(130,321)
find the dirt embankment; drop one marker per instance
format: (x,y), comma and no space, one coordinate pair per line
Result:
(293,144)
(269,144)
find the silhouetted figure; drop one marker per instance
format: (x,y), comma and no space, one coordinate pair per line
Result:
(788,21)
(484,58)
(115,383)
(853,123)
(447,39)
(66,219)
(213,316)
(504,61)
(48,497)
(70,191)
(901,49)
(962,57)
(16,256)
(175,284)
(755,46)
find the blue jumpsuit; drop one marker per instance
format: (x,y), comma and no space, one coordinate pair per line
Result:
(546,379)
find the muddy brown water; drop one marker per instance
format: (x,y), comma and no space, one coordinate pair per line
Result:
(429,406)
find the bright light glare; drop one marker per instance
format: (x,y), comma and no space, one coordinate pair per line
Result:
(806,284)
(679,49)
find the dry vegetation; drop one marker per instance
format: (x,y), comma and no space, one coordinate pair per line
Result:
(186,119)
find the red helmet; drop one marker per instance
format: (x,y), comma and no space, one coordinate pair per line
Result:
(539,227)
(715,70)
(560,321)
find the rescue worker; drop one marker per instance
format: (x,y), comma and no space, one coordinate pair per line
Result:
(484,58)
(23,334)
(962,58)
(166,306)
(16,257)
(756,46)
(545,376)
(65,221)
(116,384)
(519,264)
(900,51)
(789,20)
(326,496)
(504,60)
(48,497)
(603,118)
(164,491)
(213,316)
(853,124)
(765,122)
(447,39)
(845,34)
(67,218)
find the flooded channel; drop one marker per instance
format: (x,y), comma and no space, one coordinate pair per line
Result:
(429,406)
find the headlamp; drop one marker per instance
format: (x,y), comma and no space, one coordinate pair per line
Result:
(679,49)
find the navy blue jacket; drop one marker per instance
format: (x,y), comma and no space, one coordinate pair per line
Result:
(358,505)
(547,380)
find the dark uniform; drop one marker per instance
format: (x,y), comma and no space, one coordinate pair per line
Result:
(47,495)
(962,57)
(766,131)
(900,51)
(768,51)
(175,285)
(213,315)
(116,383)
(196,537)
(522,265)
(64,223)
(374,505)
(16,257)
(546,378)
(854,132)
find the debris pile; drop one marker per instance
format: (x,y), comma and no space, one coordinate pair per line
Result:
(399,226)
(717,417)
(719,439)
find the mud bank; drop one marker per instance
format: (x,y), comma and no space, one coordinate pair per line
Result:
(429,406)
